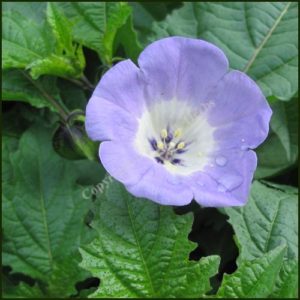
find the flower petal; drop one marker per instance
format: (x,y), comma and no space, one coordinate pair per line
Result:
(107,121)
(123,163)
(241,113)
(160,186)
(229,185)
(182,68)
(122,86)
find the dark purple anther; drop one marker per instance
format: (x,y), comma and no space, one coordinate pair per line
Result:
(176,161)
(169,138)
(153,144)
(159,160)
(179,151)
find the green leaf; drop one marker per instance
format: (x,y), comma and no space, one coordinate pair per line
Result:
(22,290)
(72,95)
(90,173)
(144,14)
(96,24)
(24,41)
(258,38)
(262,224)
(43,215)
(9,145)
(280,150)
(142,250)
(255,278)
(127,38)
(286,284)
(28,45)
(269,219)
(17,86)
(61,27)
(35,11)
(62,66)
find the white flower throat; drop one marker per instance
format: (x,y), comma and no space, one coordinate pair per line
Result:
(177,135)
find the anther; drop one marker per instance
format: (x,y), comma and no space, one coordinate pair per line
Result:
(159,160)
(164,133)
(178,133)
(160,145)
(169,138)
(176,161)
(153,144)
(180,145)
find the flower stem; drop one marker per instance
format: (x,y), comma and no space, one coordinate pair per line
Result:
(83,82)
(87,82)
(63,112)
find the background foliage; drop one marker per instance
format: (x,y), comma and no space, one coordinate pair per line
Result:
(68,228)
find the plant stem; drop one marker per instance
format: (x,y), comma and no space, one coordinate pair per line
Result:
(78,82)
(87,82)
(61,110)
(83,83)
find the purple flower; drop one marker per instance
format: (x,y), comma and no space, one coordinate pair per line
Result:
(180,126)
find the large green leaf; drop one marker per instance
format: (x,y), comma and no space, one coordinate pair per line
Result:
(269,219)
(144,14)
(57,65)
(61,27)
(22,290)
(280,150)
(127,38)
(96,24)
(286,283)
(258,38)
(72,95)
(255,278)
(30,45)
(35,11)
(9,145)
(142,250)
(43,214)
(24,41)
(18,86)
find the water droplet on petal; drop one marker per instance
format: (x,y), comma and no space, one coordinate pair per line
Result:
(221,161)
(243,140)
(230,181)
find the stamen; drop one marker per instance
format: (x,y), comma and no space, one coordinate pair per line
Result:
(179,151)
(176,161)
(159,160)
(180,145)
(169,138)
(153,144)
(164,133)
(166,149)
(178,133)
(160,145)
